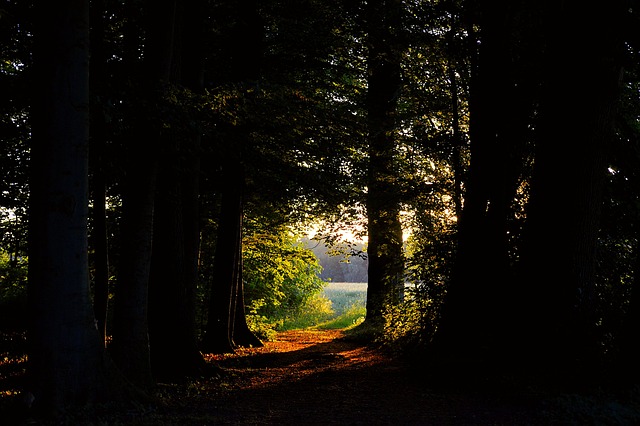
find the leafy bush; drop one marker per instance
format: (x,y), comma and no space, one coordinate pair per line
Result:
(314,311)
(13,290)
(351,317)
(411,323)
(281,281)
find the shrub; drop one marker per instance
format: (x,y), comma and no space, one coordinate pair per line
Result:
(410,324)
(313,312)
(13,290)
(281,282)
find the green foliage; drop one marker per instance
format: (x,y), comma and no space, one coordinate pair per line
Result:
(13,290)
(412,323)
(315,311)
(344,296)
(349,305)
(13,277)
(281,279)
(351,317)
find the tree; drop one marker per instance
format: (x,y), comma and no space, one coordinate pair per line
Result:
(480,293)
(572,144)
(67,366)
(99,239)
(174,267)
(130,346)
(386,268)
(280,274)
(227,325)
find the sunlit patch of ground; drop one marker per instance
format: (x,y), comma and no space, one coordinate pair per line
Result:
(310,377)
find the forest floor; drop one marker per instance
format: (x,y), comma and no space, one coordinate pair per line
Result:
(326,377)
(323,377)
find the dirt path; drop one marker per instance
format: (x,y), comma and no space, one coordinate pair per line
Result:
(322,378)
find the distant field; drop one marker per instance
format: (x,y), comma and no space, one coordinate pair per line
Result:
(346,287)
(345,295)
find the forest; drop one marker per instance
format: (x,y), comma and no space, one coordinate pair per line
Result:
(162,162)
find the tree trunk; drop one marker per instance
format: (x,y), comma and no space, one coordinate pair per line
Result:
(174,350)
(174,275)
(566,191)
(226,320)
(130,345)
(386,264)
(241,335)
(66,357)
(98,183)
(218,337)
(478,308)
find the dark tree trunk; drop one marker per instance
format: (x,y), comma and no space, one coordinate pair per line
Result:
(174,350)
(477,308)
(174,274)
(241,335)
(98,183)
(628,369)
(218,334)
(386,264)
(67,366)
(130,345)
(218,337)
(226,320)
(576,126)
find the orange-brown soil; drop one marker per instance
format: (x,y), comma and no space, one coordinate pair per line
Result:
(310,377)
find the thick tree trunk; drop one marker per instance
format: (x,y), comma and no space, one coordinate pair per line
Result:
(566,191)
(130,345)
(174,275)
(241,335)
(218,337)
(227,320)
(477,307)
(66,357)
(174,350)
(386,263)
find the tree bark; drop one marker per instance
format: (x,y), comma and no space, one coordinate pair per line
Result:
(218,337)
(66,357)
(99,238)
(576,127)
(384,250)
(130,345)
(174,274)
(241,335)
(480,296)
(226,320)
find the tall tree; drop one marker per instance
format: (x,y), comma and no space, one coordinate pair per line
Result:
(575,130)
(97,182)
(173,280)
(386,266)
(479,295)
(227,325)
(130,346)
(66,356)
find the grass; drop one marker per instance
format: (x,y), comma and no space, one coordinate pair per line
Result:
(348,301)
(338,306)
